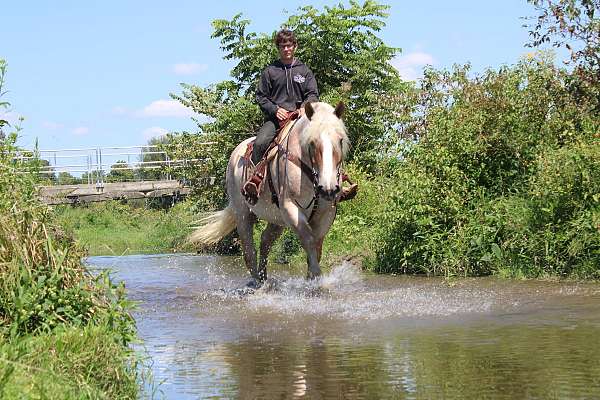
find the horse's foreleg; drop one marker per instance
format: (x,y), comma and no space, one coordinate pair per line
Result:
(268,237)
(245,225)
(299,223)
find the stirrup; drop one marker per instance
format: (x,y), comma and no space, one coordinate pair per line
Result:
(250,192)
(251,188)
(349,192)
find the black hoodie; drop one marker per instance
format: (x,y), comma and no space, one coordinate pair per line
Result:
(286,87)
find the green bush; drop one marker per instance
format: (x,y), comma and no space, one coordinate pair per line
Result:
(50,304)
(502,179)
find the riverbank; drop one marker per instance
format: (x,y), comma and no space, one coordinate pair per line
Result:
(64,333)
(114,228)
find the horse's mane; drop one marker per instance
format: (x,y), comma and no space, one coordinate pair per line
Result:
(325,120)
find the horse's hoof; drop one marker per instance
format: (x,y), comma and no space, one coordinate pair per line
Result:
(253,284)
(311,276)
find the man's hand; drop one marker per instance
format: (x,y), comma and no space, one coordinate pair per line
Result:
(282,113)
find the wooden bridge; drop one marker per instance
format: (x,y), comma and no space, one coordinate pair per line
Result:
(87,193)
(110,173)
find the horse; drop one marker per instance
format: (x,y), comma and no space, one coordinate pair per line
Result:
(303,192)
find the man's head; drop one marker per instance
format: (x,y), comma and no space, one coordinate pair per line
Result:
(286,44)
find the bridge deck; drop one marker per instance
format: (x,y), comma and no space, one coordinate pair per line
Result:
(84,193)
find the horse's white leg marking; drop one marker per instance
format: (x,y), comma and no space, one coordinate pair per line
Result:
(327,160)
(298,222)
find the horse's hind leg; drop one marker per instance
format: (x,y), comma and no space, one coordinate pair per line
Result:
(245,225)
(268,237)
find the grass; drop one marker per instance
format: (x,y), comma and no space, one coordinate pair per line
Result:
(64,333)
(112,228)
(68,363)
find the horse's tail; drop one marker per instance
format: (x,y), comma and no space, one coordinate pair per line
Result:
(214,227)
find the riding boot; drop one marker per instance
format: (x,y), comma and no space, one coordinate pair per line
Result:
(251,189)
(348,193)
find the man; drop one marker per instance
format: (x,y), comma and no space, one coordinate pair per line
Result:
(284,87)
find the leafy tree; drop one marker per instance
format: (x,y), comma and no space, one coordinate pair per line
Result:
(574,25)
(340,45)
(154,153)
(65,178)
(120,172)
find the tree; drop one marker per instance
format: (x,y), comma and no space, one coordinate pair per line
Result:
(574,25)
(120,172)
(340,45)
(151,154)
(65,178)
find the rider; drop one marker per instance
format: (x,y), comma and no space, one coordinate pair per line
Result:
(284,87)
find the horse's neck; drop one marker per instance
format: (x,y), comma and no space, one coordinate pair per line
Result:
(292,141)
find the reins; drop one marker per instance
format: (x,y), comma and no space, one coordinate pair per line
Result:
(309,170)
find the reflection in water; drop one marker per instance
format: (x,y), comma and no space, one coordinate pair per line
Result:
(358,336)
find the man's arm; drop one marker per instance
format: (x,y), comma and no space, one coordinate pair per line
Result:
(263,95)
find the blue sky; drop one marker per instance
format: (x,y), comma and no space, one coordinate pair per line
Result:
(87,74)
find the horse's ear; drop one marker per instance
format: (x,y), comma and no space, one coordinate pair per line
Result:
(309,110)
(339,109)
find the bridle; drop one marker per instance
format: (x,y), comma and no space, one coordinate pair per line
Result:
(310,171)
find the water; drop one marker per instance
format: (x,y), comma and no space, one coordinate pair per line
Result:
(357,336)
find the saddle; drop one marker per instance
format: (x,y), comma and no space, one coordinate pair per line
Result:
(259,170)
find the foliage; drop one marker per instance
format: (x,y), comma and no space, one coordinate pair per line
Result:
(351,64)
(483,190)
(3,104)
(68,363)
(120,172)
(112,228)
(57,321)
(65,178)
(575,25)
(43,284)
(153,153)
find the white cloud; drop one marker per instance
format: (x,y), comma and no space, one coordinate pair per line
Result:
(165,108)
(410,66)
(80,131)
(53,126)
(189,68)
(155,131)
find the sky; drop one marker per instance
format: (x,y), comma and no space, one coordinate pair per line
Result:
(96,74)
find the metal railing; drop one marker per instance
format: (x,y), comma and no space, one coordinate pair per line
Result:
(96,163)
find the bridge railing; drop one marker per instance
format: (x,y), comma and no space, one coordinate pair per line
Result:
(97,165)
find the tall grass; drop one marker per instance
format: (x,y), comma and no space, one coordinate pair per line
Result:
(64,333)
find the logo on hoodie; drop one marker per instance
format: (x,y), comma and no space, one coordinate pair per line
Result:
(299,78)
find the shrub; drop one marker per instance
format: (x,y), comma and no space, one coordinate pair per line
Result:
(502,179)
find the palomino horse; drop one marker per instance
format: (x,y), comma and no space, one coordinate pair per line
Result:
(303,193)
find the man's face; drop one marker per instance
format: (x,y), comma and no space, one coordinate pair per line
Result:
(286,50)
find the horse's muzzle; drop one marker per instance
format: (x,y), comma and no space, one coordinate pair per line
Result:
(328,195)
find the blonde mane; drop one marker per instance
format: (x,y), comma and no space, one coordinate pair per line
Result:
(325,120)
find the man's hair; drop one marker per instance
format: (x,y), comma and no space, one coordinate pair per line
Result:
(285,35)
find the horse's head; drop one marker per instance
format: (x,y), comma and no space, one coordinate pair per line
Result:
(326,142)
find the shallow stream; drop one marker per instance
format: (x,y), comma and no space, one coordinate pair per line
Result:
(359,336)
